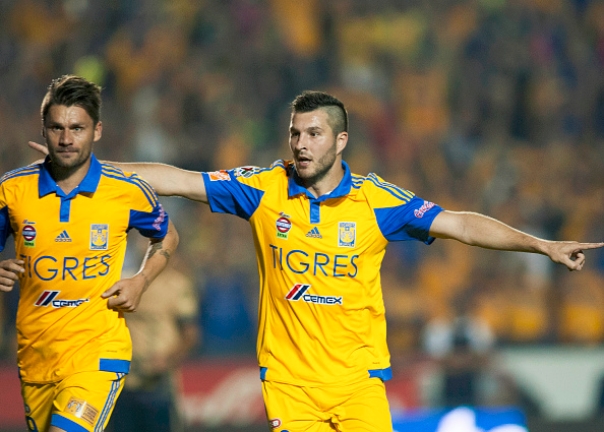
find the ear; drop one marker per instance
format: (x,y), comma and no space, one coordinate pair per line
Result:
(98,131)
(341,141)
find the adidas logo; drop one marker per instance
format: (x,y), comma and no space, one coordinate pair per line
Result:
(63,237)
(314,233)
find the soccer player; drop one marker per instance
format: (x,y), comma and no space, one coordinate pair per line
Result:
(69,217)
(320,233)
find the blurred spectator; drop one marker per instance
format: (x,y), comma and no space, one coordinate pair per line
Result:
(164,332)
(462,344)
(496,106)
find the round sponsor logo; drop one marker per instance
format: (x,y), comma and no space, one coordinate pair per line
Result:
(29,232)
(283,225)
(274,423)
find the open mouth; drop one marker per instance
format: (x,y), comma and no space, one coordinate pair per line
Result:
(303,161)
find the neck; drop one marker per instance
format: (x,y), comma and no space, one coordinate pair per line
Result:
(69,178)
(326,183)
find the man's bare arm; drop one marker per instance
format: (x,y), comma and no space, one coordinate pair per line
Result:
(125,295)
(167,180)
(478,230)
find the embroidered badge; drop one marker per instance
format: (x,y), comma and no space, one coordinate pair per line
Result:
(29,233)
(347,234)
(81,409)
(246,171)
(99,237)
(283,226)
(219,175)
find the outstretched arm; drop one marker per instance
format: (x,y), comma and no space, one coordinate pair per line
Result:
(478,230)
(125,295)
(167,180)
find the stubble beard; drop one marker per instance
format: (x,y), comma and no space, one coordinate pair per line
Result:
(324,165)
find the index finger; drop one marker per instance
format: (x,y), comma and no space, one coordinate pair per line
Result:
(38,147)
(590,245)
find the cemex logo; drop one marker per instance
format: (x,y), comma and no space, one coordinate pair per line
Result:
(298,291)
(48,298)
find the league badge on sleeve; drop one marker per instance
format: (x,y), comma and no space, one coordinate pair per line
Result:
(219,175)
(99,237)
(347,234)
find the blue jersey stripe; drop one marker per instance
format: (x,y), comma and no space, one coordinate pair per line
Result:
(118,173)
(150,196)
(396,191)
(25,171)
(143,184)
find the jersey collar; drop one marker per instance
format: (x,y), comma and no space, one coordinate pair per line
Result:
(295,185)
(47,185)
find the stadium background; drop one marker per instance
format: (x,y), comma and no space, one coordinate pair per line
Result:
(491,105)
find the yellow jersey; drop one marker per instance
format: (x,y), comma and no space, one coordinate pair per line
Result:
(73,246)
(321,312)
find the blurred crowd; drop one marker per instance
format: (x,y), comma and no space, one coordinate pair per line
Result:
(495,106)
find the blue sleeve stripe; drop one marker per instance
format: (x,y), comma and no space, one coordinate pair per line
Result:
(25,171)
(396,191)
(151,197)
(57,420)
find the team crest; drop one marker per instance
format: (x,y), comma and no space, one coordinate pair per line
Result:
(82,409)
(347,234)
(283,226)
(246,171)
(28,232)
(99,237)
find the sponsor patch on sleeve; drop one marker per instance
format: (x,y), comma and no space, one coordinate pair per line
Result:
(219,175)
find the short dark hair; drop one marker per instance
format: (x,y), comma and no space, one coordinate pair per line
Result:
(70,90)
(311,100)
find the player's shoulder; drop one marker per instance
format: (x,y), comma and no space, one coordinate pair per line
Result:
(112,172)
(126,180)
(255,174)
(32,171)
(380,192)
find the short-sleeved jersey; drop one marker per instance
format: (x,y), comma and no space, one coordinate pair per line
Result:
(321,312)
(73,246)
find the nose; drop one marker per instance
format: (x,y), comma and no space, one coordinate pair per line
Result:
(300,142)
(65,138)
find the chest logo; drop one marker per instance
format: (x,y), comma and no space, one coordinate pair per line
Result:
(284,225)
(347,234)
(63,237)
(29,234)
(314,233)
(99,237)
